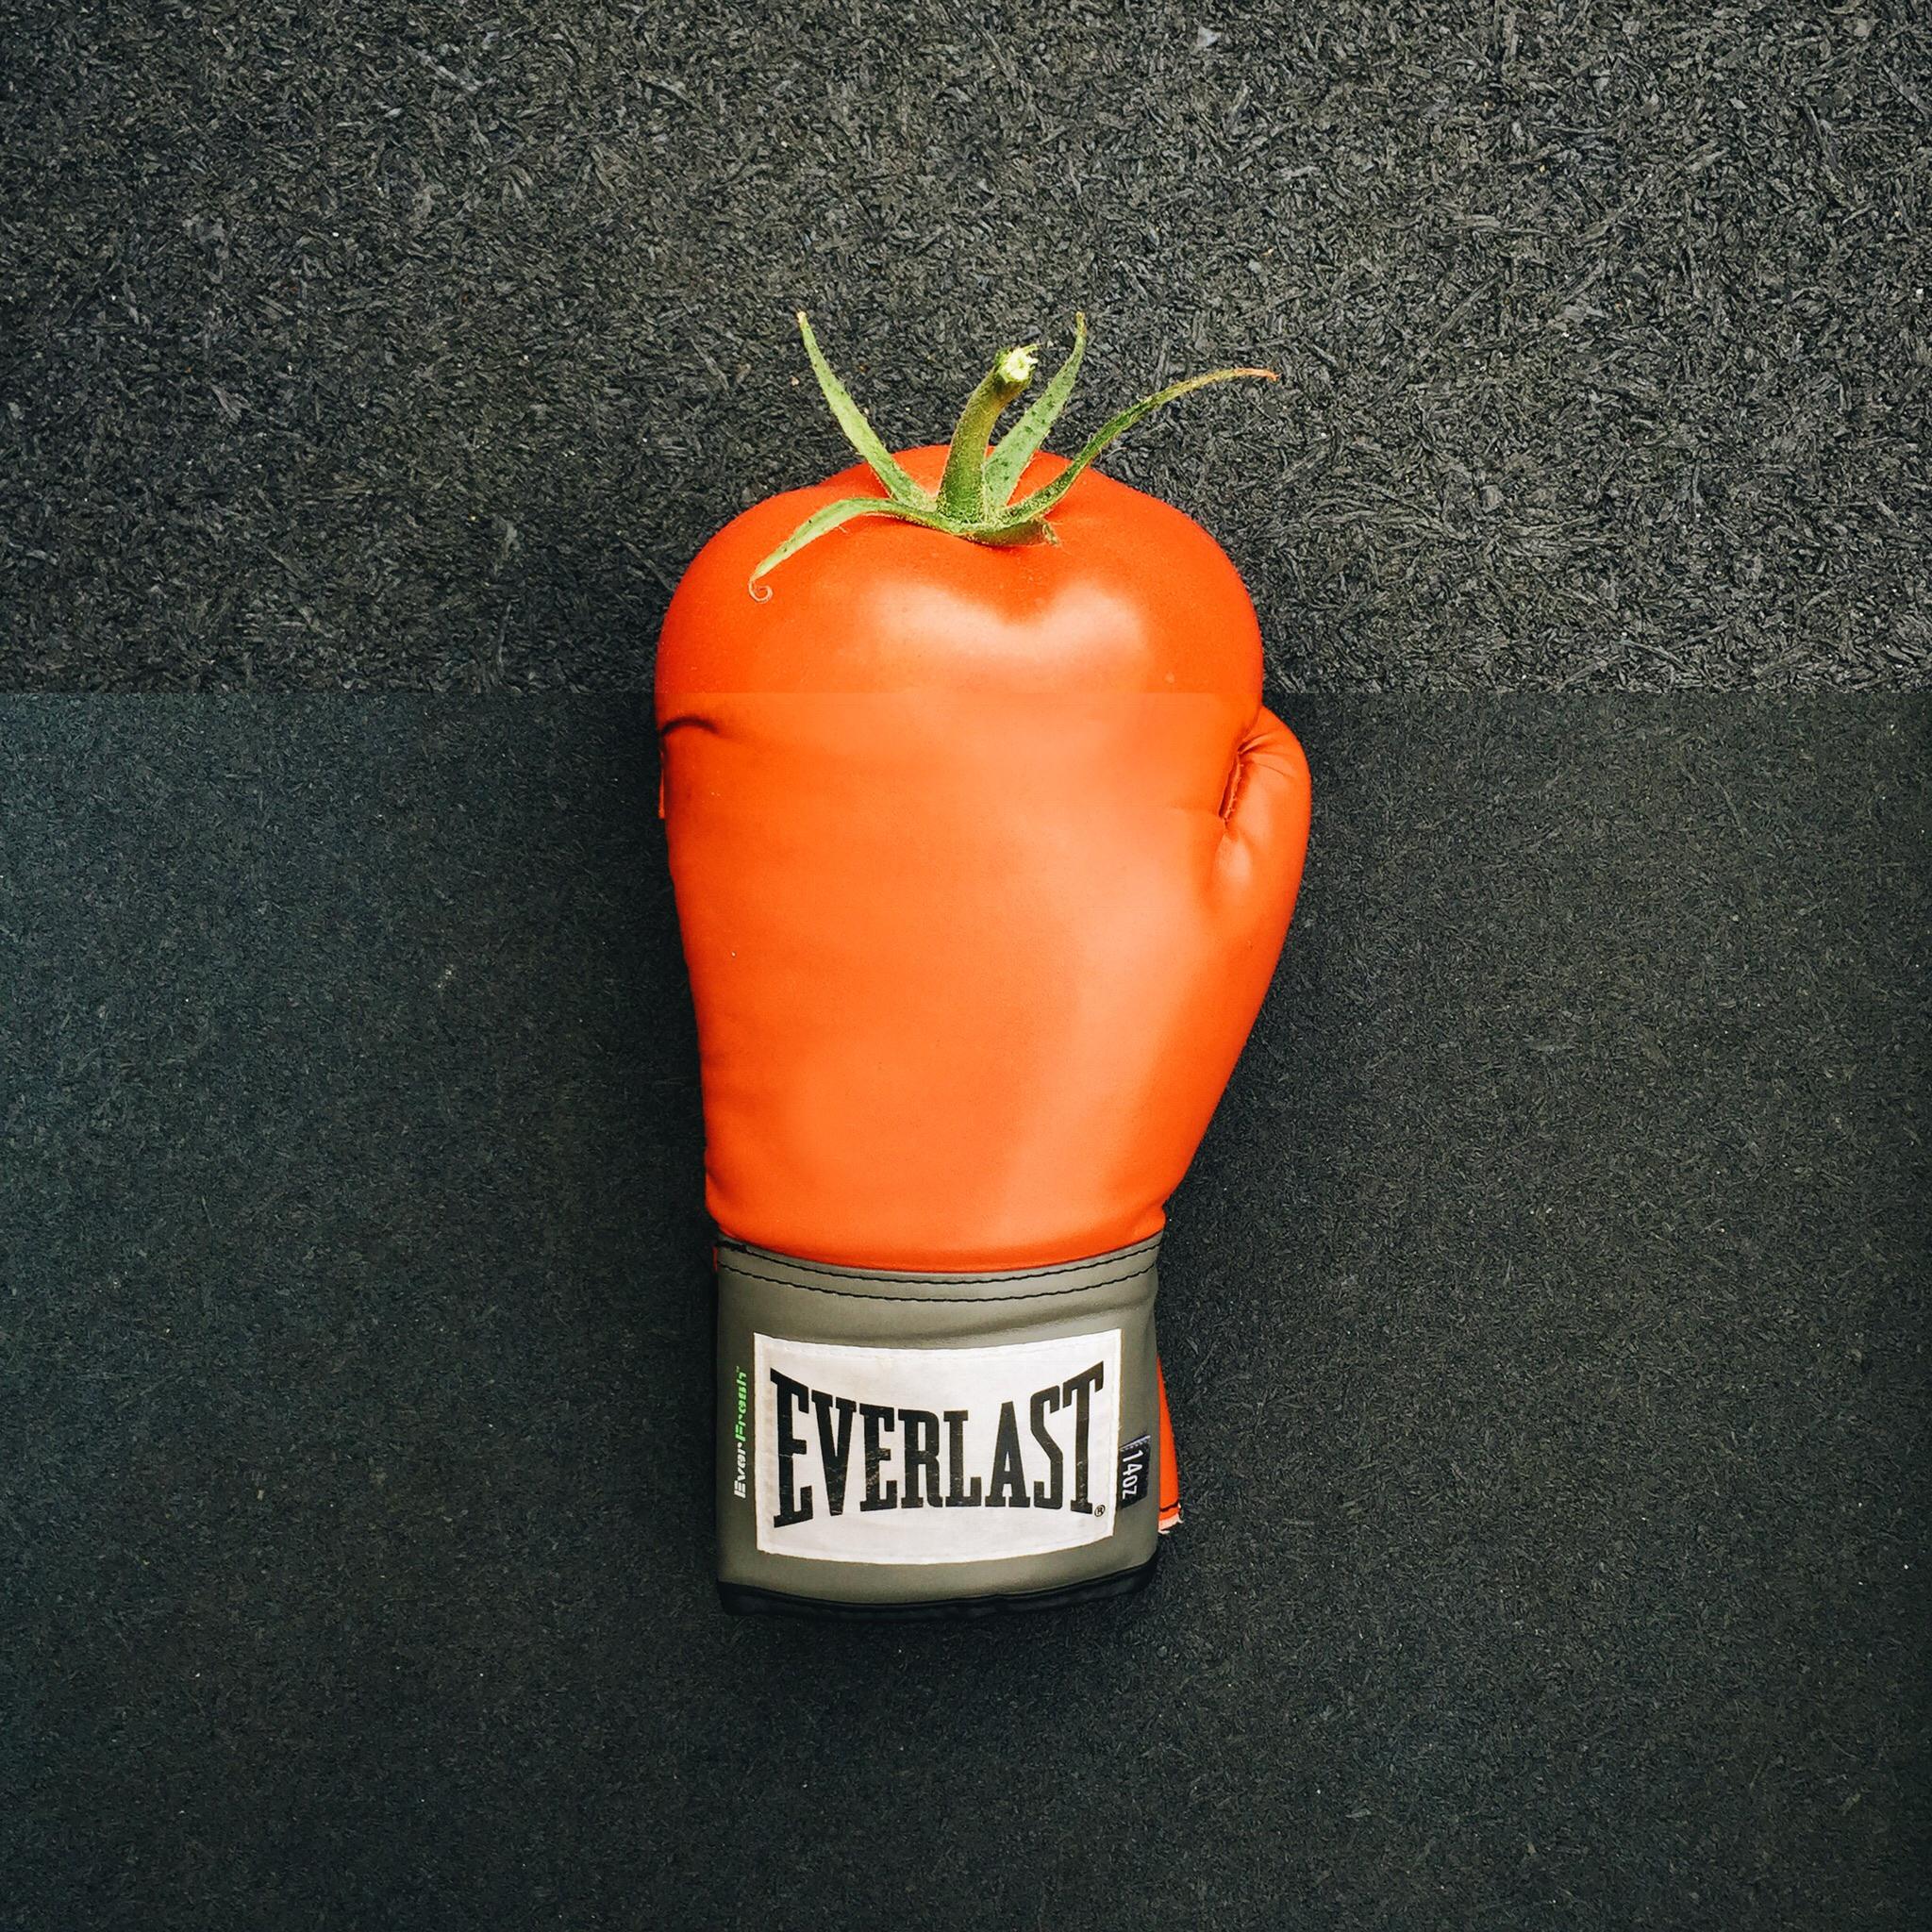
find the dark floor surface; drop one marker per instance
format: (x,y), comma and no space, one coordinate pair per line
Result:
(1545,1318)
(349,344)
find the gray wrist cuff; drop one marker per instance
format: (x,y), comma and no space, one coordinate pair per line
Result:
(897,1441)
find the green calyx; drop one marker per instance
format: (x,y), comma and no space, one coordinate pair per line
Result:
(974,497)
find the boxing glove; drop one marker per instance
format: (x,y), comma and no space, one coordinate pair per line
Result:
(983,849)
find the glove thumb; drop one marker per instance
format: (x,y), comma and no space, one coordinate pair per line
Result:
(1265,814)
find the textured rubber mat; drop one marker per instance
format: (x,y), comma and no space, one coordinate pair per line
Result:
(365,346)
(1544,1319)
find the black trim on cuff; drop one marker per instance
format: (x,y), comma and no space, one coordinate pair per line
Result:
(747,1600)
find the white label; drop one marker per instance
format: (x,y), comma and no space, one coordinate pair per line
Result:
(936,1454)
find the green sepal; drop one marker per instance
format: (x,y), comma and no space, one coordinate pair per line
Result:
(859,432)
(1035,507)
(971,501)
(843,511)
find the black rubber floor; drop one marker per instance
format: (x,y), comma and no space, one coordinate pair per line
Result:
(356,345)
(1545,1320)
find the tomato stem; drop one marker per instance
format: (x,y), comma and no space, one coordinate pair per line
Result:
(972,501)
(962,489)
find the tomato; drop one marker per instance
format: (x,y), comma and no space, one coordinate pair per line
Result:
(1134,595)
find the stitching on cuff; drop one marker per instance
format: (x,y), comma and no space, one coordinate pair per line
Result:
(852,1294)
(1149,1247)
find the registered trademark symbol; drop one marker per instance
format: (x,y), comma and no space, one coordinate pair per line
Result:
(1100,1508)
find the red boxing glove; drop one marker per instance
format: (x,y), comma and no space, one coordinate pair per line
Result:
(984,851)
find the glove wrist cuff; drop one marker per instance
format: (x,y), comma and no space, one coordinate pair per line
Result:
(1043,1283)
(919,1442)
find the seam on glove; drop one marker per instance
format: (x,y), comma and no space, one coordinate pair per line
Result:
(852,1294)
(960,1279)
